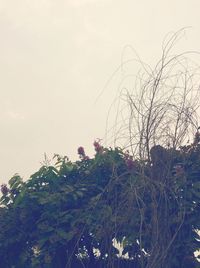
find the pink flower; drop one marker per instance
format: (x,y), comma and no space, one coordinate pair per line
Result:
(81,151)
(82,154)
(97,146)
(4,189)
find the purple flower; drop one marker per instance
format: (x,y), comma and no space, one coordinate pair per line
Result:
(81,151)
(82,154)
(4,189)
(130,163)
(98,147)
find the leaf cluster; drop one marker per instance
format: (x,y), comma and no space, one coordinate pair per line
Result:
(71,214)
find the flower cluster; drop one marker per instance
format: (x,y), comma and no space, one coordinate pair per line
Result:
(81,151)
(82,155)
(4,189)
(98,147)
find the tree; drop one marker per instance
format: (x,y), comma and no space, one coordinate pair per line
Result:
(65,213)
(70,214)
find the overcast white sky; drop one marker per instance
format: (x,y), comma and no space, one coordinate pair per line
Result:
(55,58)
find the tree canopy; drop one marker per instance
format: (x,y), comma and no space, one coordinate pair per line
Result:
(71,214)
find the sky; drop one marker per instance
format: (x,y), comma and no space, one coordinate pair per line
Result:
(56,58)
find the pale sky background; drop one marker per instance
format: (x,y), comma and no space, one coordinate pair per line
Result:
(56,57)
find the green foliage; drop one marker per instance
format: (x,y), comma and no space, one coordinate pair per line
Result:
(63,212)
